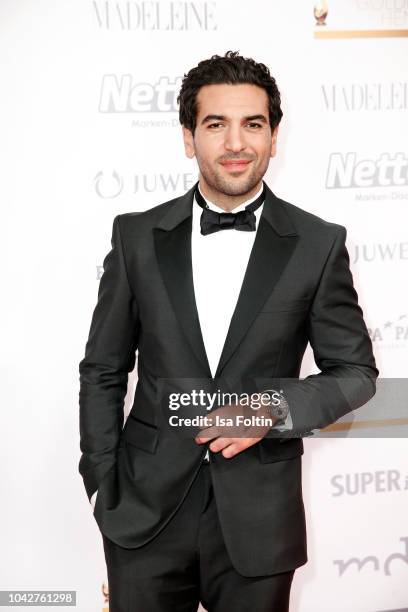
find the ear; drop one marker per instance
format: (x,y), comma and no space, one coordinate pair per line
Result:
(188,142)
(274,139)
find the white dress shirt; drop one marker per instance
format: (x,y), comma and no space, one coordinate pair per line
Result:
(219,261)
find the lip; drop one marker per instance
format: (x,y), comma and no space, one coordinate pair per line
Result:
(236,165)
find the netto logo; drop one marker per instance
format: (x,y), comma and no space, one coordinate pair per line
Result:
(123,95)
(110,186)
(344,171)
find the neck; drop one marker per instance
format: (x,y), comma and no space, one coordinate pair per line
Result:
(223,200)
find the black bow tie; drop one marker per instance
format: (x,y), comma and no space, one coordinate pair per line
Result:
(244,220)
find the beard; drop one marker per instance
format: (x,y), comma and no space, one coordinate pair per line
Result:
(233,185)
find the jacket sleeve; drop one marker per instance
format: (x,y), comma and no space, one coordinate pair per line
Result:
(110,354)
(342,351)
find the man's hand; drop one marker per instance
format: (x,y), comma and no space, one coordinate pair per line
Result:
(233,439)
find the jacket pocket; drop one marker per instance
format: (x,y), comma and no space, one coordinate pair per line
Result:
(141,434)
(271,450)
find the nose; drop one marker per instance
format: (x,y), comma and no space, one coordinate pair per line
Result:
(234,140)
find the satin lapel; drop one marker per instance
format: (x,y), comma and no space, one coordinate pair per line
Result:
(172,238)
(275,241)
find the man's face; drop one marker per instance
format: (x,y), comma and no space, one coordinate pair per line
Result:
(232,126)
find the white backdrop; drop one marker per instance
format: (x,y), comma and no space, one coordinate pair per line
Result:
(90,129)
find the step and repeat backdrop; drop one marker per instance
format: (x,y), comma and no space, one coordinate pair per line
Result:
(90,129)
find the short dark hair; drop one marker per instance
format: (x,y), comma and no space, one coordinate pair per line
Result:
(231,68)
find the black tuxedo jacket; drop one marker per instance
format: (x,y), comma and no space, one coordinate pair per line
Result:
(297,288)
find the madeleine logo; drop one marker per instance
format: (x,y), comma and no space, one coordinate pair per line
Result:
(361,19)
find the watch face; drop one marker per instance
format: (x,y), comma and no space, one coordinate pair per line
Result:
(278,405)
(283,408)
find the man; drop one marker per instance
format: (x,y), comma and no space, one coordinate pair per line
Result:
(221,288)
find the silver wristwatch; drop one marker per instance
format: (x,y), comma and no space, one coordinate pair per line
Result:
(278,405)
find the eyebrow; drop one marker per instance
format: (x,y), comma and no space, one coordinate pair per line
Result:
(209,118)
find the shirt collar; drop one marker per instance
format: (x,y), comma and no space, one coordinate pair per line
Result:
(241,206)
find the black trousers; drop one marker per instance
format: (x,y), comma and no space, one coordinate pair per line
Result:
(187,564)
